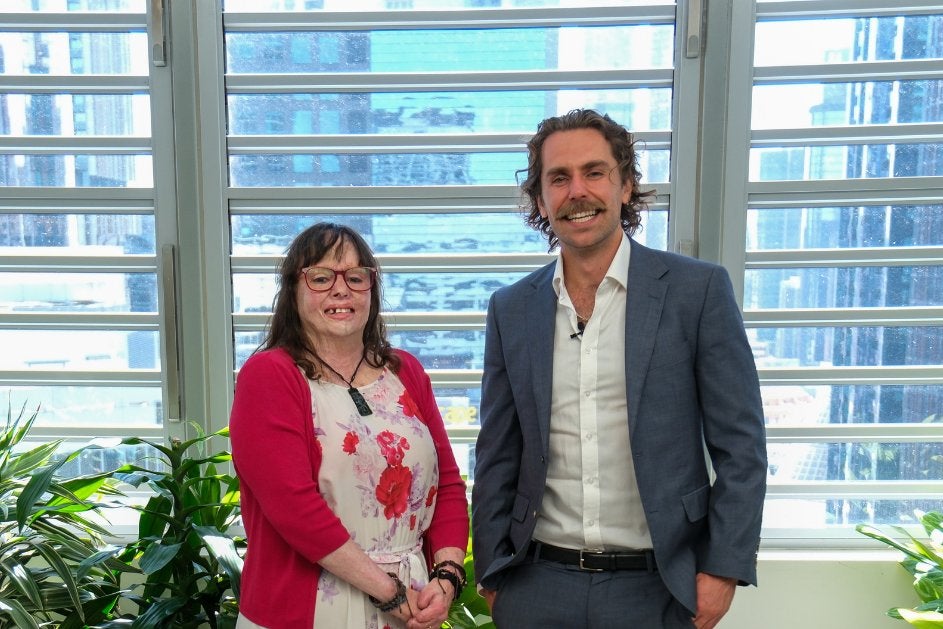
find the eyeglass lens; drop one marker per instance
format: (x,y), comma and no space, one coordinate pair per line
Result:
(320,278)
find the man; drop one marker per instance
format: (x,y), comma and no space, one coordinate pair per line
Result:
(611,376)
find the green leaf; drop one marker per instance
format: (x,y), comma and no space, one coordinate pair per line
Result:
(103,557)
(136,441)
(13,610)
(922,620)
(21,578)
(157,613)
(56,563)
(158,555)
(25,462)
(38,485)
(223,550)
(154,517)
(94,611)
(84,487)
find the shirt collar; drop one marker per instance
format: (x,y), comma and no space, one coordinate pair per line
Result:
(618,268)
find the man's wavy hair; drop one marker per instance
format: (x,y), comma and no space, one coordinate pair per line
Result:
(623,149)
(285,328)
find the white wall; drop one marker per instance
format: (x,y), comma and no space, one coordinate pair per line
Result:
(823,590)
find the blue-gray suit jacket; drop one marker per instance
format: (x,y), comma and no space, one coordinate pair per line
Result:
(691,382)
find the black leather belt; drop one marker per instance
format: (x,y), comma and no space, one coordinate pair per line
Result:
(594,560)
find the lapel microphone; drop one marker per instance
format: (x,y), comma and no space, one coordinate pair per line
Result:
(579,326)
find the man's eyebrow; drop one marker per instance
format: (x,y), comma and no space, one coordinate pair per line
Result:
(596,163)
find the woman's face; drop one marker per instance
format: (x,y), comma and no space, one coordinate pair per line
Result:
(338,313)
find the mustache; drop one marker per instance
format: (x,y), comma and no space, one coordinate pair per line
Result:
(575,207)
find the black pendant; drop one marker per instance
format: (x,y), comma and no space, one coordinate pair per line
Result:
(362,407)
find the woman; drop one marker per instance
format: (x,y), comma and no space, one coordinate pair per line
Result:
(349,487)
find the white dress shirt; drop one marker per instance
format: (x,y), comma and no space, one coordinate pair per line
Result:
(592,499)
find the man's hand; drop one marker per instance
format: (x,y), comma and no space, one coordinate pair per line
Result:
(489,595)
(714,595)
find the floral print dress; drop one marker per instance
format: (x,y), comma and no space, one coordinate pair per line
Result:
(379,474)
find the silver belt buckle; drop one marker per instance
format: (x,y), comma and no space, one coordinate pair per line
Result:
(590,552)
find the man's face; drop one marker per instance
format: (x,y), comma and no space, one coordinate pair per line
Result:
(580,190)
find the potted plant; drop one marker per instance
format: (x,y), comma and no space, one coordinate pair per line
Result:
(190,561)
(51,573)
(923,559)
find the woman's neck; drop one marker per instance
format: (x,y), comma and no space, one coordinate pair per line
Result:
(341,356)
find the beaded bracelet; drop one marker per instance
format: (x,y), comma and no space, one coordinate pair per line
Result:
(398,599)
(451,577)
(459,570)
(456,577)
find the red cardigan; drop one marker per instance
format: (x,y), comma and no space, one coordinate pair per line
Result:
(289,526)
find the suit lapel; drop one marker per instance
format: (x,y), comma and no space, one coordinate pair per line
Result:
(645,298)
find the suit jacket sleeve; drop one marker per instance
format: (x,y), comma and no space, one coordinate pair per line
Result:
(734,433)
(497,458)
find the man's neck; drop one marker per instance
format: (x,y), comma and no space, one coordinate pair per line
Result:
(585,270)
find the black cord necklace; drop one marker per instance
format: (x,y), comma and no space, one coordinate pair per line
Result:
(362,407)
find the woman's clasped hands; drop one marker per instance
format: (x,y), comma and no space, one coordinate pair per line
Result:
(426,608)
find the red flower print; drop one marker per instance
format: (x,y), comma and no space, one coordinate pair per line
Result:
(410,409)
(392,447)
(393,490)
(350,443)
(412,522)
(431,496)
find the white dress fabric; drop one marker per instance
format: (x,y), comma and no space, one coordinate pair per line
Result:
(379,474)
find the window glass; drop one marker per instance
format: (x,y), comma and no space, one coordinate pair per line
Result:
(78,289)
(74,53)
(76,234)
(448,50)
(845,161)
(76,114)
(862,461)
(770,229)
(797,405)
(817,514)
(115,6)
(79,350)
(399,169)
(78,292)
(845,40)
(122,409)
(844,287)
(847,346)
(443,349)
(77,171)
(488,232)
(890,267)
(509,111)
(235,6)
(798,105)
